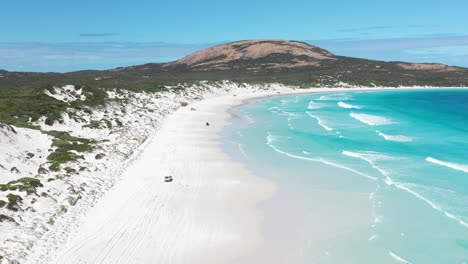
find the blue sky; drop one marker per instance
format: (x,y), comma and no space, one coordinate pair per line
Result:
(52,35)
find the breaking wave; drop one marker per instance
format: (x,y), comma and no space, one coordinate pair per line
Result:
(455,166)
(271,138)
(348,106)
(398,258)
(320,122)
(372,120)
(314,105)
(396,138)
(335,97)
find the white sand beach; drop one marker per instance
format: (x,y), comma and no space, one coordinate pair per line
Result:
(207,214)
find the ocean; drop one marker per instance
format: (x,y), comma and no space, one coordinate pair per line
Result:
(363,176)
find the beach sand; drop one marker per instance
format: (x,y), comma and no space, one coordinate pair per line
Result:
(208,214)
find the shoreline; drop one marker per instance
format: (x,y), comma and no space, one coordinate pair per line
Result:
(296,227)
(164,202)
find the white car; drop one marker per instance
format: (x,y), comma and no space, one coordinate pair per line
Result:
(168,178)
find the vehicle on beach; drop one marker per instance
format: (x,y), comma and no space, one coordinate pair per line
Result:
(168,178)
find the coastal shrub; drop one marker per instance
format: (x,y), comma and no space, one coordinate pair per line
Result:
(42,170)
(183,104)
(94,124)
(26,184)
(66,146)
(4,218)
(100,156)
(118,122)
(63,156)
(55,166)
(49,121)
(2,203)
(108,123)
(13,202)
(70,170)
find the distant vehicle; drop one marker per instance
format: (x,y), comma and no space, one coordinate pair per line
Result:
(168,178)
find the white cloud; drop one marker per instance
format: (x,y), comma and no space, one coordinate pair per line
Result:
(440,51)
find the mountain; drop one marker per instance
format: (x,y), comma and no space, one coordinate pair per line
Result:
(256,55)
(289,62)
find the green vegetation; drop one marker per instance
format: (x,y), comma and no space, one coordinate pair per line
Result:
(22,100)
(13,202)
(5,218)
(28,185)
(100,156)
(69,170)
(66,146)
(184,104)
(103,123)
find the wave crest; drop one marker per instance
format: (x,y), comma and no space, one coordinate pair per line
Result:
(348,106)
(398,258)
(270,140)
(335,97)
(320,122)
(315,105)
(372,120)
(455,166)
(396,138)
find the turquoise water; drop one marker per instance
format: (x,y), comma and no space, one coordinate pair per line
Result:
(405,151)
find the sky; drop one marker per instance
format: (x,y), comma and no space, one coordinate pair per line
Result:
(61,36)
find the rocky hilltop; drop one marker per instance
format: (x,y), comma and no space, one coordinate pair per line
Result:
(256,54)
(275,54)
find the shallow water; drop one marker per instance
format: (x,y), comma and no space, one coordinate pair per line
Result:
(385,171)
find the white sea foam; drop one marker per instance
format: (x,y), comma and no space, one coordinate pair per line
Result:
(373,237)
(398,258)
(369,156)
(348,106)
(405,187)
(345,168)
(372,120)
(372,158)
(291,116)
(285,101)
(455,166)
(396,138)
(335,97)
(315,105)
(271,138)
(274,108)
(320,122)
